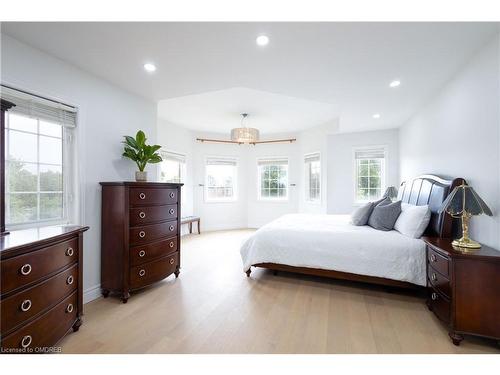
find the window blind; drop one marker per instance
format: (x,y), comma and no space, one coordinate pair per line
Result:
(272,161)
(311,157)
(370,153)
(221,161)
(173,156)
(38,107)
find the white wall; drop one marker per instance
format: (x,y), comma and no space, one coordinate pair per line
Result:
(180,140)
(457,135)
(341,165)
(105,114)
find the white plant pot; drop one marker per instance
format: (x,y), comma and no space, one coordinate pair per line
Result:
(141,176)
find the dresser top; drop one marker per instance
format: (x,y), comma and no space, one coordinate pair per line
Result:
(140,184)
(444,244)
(18,239)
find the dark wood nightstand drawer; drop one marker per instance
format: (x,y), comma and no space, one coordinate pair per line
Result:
(28,268)
(154,271)
(152,196)
(23,305)
(438,281)
(147,253)
(152,214)
(438,262)
(440,305)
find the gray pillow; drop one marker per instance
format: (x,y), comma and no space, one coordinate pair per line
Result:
(361,214)
(384,215)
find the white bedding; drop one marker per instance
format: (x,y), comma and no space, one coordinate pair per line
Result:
(331,242)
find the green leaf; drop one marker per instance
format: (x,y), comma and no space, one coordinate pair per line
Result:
(140,138)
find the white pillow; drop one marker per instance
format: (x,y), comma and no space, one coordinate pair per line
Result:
(413,220)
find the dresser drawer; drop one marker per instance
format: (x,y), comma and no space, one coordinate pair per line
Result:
(438,262)
(151,272)
(46,330)
(440,305)
(23,305)
(438,281)
(151,196)
(148,233)
(146,253)
(28,268)
(152,214)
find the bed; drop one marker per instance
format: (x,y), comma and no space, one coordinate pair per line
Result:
(328,245)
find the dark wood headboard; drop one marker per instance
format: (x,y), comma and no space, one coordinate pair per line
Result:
(431,190)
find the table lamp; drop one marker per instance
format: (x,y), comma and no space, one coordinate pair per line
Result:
(391,193)
(463,203)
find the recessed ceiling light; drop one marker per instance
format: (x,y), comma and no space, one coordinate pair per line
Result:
(376,115)
(150,68)
(394,83)
(262,40)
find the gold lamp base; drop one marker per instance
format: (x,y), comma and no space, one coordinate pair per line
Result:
(466,243)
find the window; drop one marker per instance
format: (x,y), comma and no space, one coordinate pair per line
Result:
(38,175)
(370,173)
(273,179)
(173,167)
(221,179)
(313,177)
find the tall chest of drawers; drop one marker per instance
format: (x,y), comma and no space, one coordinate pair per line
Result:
(464,289)
(140,242)
(41,287)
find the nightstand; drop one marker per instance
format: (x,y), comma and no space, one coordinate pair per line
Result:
(464,289)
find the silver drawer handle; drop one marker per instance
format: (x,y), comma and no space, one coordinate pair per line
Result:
(69,308)
(172,195)
(433,258)
(142,253)
(26,341)
(433,277)
(69,251)
(171,211)
(171,228)
(26,269)
(142,215)
(26,305)
(142,196)
(172,261)
(142,273)
(69,280)
(172,244)
(434,296)
(142,234)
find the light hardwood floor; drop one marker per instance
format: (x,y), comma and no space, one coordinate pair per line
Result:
(214,308)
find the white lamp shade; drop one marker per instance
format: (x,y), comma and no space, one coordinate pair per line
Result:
(245,135)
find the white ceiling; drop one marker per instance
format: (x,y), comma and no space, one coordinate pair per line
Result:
(329,69)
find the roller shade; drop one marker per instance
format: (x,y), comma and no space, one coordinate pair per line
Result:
(311,157)
(370,153)
(272,161)
(221,161)
(173,156)
(40,108)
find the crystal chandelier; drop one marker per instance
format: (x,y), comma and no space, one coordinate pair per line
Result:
(244,134)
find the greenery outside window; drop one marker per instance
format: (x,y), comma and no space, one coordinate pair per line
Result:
(370,173)
(272,179)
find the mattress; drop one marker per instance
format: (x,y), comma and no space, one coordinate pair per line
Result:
(330,242)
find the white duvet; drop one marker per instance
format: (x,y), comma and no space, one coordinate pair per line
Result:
(330,242)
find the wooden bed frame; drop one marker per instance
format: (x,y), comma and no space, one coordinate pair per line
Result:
(426,189)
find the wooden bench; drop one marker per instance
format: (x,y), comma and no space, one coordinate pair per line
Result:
(190,220)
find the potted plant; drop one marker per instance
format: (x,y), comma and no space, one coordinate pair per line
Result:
(137,150)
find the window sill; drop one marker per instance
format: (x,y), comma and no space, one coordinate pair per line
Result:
(221,201)
(271,200)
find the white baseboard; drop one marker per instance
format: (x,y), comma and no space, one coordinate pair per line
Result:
(91,293)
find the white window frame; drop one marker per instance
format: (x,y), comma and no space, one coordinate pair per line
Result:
(259,180)
(384,171)
(307,196)
(232,199)
(68,178)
